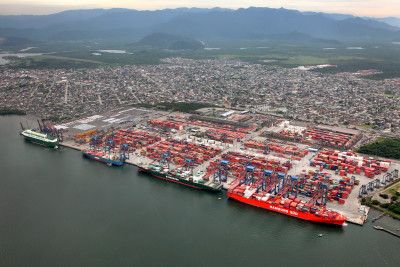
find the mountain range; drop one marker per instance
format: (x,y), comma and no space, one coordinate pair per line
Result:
(393,21)
(170,42)
(127,25)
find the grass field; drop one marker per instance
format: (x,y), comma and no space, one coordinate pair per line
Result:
(393,189)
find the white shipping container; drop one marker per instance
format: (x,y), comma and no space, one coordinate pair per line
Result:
(385,164)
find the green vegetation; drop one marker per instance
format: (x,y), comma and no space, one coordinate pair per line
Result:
(178,106)
(391,205)
(385,205)
(11,111)
(170,41)
(54,62)
(375,202)
(389,93)
(392,209)
(132,58)
(384,196)
(395,208)
(394,190)
(382,57)
(369,126)
(383,147)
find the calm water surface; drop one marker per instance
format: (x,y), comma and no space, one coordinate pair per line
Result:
(58,209)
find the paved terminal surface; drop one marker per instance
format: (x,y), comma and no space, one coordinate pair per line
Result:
(136,118)
(352,209)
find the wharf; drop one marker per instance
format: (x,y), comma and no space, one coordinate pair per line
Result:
(134,158)
(187,131)
(386,230)
(353,210)
(73,145)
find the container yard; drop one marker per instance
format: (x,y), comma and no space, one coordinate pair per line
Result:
(321,136)
(303,171)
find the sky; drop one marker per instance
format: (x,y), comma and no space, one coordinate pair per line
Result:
(376,8)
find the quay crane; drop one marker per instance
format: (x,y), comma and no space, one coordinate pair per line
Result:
(286,185)
(377,183)
(249,175)
(124,152)
(109,145)
(291,186)
(320,196)
(95,141)
(165,159)
(189,165)
(267,180)
(221,173)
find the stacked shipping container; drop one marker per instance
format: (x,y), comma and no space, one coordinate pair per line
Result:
(226,127)
(349,163)
(338,189)
(224,135)
(238,161)
(324,137)
(288,149)
(168,124)
(180,151)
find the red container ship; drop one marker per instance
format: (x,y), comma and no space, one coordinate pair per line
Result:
(289,206)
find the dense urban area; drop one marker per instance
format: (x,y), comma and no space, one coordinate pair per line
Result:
(261,128)
(248,109)
(341,99)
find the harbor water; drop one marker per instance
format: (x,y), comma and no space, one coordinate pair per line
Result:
(58,209)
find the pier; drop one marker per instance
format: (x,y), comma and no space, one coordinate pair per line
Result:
(380,228)
(184,142)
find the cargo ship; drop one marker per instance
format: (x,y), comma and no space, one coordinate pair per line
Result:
(289,206)
(179,176)
(39,138)
(109,159)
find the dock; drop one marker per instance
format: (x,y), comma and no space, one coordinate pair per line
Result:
(200,144)
(380,228)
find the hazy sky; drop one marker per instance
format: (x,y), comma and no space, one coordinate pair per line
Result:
(358,7)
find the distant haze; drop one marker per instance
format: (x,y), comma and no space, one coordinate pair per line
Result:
(376,8)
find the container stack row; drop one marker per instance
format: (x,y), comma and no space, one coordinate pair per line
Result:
(279,148)
(135,139)
(180,151)
(317,136)
(224,135)
(330,138)
(167,124)
(349,163)
(238,161)
(338,188)
(226,127)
